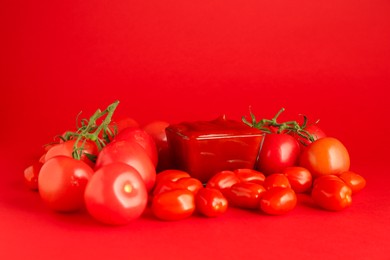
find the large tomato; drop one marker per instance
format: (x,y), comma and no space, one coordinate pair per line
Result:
(325,156)
(278,152)
(62,181)
(156,130)
(132,154)
(116,194)
(315,131)
(135,134)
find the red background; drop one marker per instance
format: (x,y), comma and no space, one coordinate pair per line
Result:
(194,60)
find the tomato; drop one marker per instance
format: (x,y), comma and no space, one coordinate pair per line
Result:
(210,202)
(156,130)
(135,134)
(172,175)
(123,123)
(173,205)
(245,195)
(355,181)
(276,180)
(278,201)
(132,154)
(299,178)
(223,180)
(187,183)
(66,149)
(116,194)
(331,193)
(62,181)
(250,175)
(31,174)
(278,152)
(325,156)
(314,130)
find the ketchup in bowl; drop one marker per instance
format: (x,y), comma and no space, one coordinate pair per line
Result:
(204,148)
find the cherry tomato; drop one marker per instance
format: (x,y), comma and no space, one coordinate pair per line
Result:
(276,180)
(172,175)
(223,181)
(325,156)
(132,154)
(278,152)
(135,134)
(156,130)
(278,201)
(331,193)
(31,174)
(299,178)
(164,186)
(245,195)
(66,149)
(62,182)
(173,205)
(210,202)
(191,184)
(355,181)
(116,194)
(250,175)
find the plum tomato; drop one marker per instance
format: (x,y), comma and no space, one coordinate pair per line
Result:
(66,149)
(173,205)
(245,195)
(325,156)
(132,154)
(187,183)
(172,175)
(299,178)
(250,175)
(191,184)
(156,129)
(355,181)
(276,180)
(278,152)
(62,181)
(222,181)
(135,134)
(278,201)
(116,194)
(331,193)
(210,202)
(31,174)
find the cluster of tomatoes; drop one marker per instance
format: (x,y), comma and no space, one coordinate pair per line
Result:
(118,170)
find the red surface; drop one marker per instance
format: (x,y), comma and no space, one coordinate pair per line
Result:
(194,60)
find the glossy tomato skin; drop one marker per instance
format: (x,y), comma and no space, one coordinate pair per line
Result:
(191,184)
(355,181)
(173,205)
(278,152)
(299,178)
(331,193)
(250,175)
(172,175)
(31,174)
(276,180)
(278,201)
(66,149)
(135,134)
(245,195)
(210,202)
(325,156)
(116,194)
(222,181)
(62,181)
(156,129)
(132,154)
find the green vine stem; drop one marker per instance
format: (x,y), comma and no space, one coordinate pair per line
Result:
(265,125)
(90,129)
